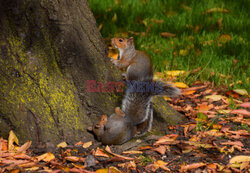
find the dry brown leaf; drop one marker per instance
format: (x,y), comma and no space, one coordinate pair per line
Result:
(241,111)
(161,149)
(24,147)
(3,145)
(168,139)
(245,105)
(117,155)
(191,166)
(108,170)
(100,152)
(22,156)
(11,140)
(132,152)
(47,157)
(72,158)
(87,144)
(224,38)
(239,159)
(62,145)
(167,35)
(237,143)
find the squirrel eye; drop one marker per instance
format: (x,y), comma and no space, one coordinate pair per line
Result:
(120,40)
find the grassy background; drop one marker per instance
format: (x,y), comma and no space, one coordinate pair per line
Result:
(216,42)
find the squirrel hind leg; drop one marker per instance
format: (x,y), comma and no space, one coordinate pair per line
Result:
(146,126)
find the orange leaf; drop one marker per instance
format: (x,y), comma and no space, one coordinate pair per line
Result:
(100,152)
(191,166)
(117,155)
(24,147)
(168,139)
(167,35)
(72,158)
(161,149)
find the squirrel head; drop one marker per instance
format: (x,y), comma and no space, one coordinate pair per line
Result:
(122,43)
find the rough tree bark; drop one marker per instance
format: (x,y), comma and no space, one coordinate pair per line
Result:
(48,50)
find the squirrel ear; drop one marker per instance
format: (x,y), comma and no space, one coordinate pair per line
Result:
(119,112)
(131,39)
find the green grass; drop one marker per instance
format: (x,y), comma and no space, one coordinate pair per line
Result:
(201,48)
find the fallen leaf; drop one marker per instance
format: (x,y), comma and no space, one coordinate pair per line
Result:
(79,143)
(100,152)
(24,147)
(117,155)
(108,170)
(191,166)
(62,145)
(11,140)
(87,144)
(167,35)
(241,111)
(245,105)
(114,18)
(180,85)
(168,139)
(214,97)
(3,145)
(238,143)
(223,38)
(161,149)
(72,158)
(174,73)
(241,91)
(239,159)
(47,157)
(132,152)
(218,10)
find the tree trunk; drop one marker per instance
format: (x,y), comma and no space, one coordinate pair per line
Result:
(48,50)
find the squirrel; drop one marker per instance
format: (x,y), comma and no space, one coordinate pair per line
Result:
(138,64)
(115,129)
(137,108)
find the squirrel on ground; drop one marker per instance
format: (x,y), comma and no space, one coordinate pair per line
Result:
(136,108)
(138,64)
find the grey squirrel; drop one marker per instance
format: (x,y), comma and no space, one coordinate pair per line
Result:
(136,109)
(137,63)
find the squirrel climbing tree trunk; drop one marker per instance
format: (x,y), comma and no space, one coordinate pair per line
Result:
(48,50)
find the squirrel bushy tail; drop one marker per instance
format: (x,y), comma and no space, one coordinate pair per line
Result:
(165,89)
(139,94)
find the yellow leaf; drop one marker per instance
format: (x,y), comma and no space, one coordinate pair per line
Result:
(114,18)
(239,159)
(62,145)
(87,144)
(183,52)
(11,140)
(214,97)
(108,170)
(174,73)
(241,91)
(46,157)
(180,85)
(132,152)
(158,75)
